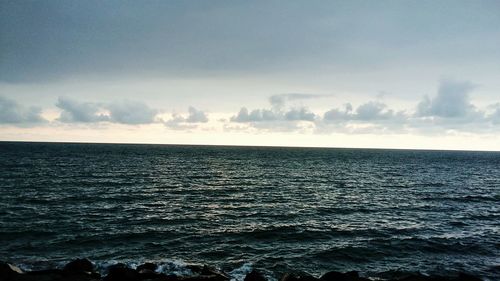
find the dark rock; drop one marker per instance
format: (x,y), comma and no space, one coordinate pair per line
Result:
(148,271)
(298,277)
(120,272)
(205,273)
(9,271)
(149,274)
(202,278)
(148,266)
(44,275)
(421,277)
(213,274)
(195,268)
(255,275)
(209,270)
(12,273)
(87,276)
(79,265)
(467,277)
(163,277)
(339,276)
(45,272)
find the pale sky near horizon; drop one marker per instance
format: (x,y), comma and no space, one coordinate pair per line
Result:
(384,74)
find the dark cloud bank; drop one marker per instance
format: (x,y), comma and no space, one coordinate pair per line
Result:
(51,40)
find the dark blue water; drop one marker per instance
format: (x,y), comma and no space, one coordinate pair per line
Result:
(276,209)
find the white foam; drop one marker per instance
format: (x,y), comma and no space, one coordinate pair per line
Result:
(241,272)
(176,267)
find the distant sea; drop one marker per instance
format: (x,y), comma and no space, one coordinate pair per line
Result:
(379,212)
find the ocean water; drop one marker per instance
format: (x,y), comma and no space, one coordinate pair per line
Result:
(237,208)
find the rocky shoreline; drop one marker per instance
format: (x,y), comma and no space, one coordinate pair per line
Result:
(84,270)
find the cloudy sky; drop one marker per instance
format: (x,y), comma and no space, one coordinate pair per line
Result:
(400,74)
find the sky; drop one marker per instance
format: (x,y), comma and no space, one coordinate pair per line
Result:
(381,74)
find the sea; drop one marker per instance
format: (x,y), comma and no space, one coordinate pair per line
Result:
(276,209)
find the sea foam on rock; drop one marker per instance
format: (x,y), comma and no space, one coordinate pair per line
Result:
(84,270)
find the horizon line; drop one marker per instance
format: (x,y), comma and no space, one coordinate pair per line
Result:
(245,145)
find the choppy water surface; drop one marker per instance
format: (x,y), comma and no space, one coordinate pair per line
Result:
(277,209)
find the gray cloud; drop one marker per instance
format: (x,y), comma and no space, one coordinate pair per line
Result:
(338,114)
(124,112)
(256,115)
(374,116)
(279,101)
(494,117)
(449,109)
(372,111)
(13,113)
(271,115)
(451,101)
(194,117)
(80,112)
(127,112)
(278,113)
(299,114)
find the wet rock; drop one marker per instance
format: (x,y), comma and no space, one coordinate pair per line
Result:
(80,269)
(163,277)
(7,268)
(147,266)
(298,277)
(339,276)
(208,270)
(120,272)
(44,275)
(149,274)
(255,275)
(205,273)
(79,265)
(467,277)
(195,268)
(213,274)
(13,273)
(147,271)
(9,271)
(421,277)
(202,278)
(146,274)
